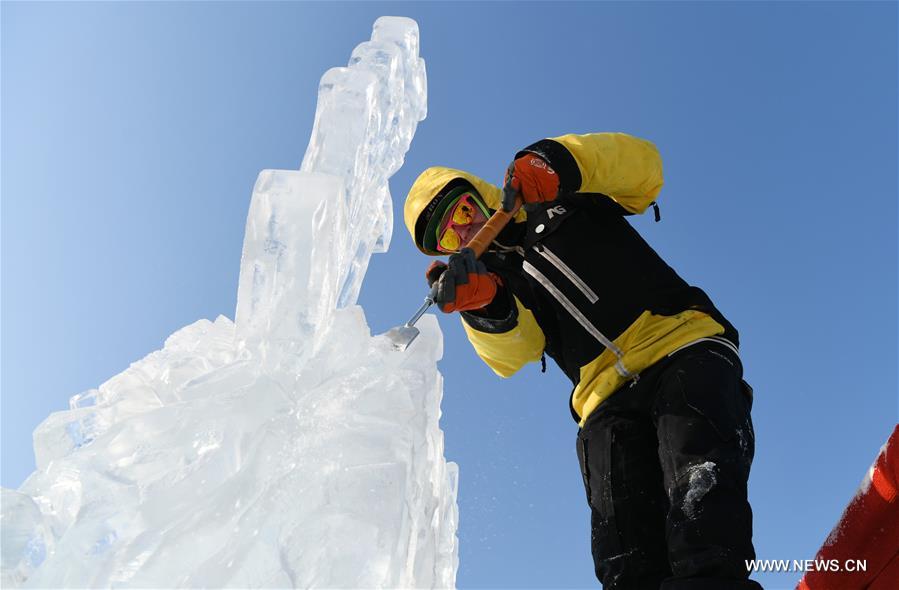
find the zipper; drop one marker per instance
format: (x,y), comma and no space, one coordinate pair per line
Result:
(566,270)
(571,308)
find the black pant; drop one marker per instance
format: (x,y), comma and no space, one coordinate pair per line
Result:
(665,464)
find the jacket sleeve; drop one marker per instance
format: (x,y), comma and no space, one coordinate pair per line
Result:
(506,340)
(626,168)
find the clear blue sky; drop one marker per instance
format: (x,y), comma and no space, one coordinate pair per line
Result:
(132,135)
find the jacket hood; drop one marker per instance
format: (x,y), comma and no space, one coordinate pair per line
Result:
(423,200)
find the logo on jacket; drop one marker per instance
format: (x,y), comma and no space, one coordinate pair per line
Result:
(539,163)
(557,210)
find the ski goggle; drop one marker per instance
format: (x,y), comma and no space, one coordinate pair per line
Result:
(460,214)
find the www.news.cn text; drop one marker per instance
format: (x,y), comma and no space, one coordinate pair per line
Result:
(806,565)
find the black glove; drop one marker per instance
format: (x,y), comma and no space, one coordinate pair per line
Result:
(437,268)
(464,284)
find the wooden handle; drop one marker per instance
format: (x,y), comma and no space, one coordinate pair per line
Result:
(481,241)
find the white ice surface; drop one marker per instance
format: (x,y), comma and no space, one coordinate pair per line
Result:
(288,448)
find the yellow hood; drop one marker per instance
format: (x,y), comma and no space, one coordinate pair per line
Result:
(430,184)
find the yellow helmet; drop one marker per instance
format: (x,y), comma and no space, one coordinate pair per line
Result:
(425,202)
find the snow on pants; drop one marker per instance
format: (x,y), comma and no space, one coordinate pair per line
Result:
(665,463)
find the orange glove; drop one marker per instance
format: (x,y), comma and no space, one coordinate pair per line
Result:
(533,179)
(464,284)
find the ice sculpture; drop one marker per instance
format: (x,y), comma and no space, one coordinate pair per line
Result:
(288,448)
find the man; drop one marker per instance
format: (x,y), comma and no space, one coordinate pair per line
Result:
(665,441)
